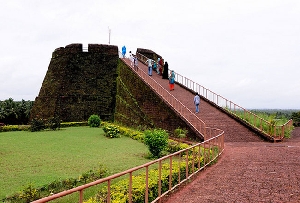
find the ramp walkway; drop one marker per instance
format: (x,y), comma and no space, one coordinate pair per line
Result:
(249,170)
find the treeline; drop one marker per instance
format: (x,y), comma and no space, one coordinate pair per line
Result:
(18,112)
(15,112)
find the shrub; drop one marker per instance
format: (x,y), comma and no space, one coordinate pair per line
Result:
(37,124)
(119,190)
(73,124)
(174,146)
(111,131)
(133,134)
(53,123)
(156,140)
(30,192)
(94,121)
(180,133)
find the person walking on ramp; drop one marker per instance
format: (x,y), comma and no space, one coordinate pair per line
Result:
(197,102)
(149,62)
(172,80)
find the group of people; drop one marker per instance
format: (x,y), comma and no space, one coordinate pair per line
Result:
(160,68)
(133,61)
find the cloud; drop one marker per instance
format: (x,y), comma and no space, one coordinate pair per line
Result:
(246,51)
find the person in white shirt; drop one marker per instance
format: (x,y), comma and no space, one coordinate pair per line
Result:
(131,58)
(149,62)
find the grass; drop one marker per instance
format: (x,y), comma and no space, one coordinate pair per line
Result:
(271,118)
(42,157)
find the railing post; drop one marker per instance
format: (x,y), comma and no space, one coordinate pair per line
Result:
(147,183)
(159,180)
(260,124)
(130,188)
(199,157)
(187,164)
(81,196)
(179,161)
(108,191)
(170,175)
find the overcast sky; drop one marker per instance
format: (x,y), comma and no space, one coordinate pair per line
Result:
(244,50)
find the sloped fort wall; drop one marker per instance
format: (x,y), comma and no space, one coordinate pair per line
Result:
(79,84)
(138,106)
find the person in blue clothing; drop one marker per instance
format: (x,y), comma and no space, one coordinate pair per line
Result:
(123,51)
(172,80)
(149,62)
(154,66)
(197,102)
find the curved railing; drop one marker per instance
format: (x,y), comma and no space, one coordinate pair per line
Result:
(195,158)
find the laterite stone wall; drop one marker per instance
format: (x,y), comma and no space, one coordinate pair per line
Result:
(137,105)
(79,84)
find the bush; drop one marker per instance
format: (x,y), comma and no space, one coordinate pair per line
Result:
(30,192)
(94,121)
(111,131)
(156,140)
(133,134)
(73,124)
(37,124)
(53,123)
(174,146)
(180,133)
(119,190)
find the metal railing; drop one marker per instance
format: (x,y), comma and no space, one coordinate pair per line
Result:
(195,157)
(184,112)
(275,132)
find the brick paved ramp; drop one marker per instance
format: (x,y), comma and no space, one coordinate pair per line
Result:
(249,170)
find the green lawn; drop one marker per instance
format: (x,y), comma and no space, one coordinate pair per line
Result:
(42,157)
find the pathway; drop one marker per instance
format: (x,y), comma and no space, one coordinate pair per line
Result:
(249,170)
